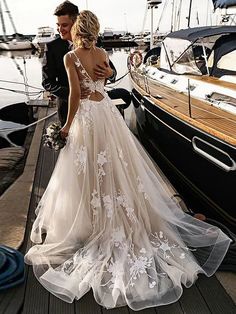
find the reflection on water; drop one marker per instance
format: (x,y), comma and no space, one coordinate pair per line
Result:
(18,68)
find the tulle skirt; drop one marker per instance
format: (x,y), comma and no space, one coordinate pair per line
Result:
(110,222)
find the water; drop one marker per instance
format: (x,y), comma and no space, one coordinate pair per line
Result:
(19,67)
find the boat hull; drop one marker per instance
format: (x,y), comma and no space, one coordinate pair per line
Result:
(171,141)
(16,45)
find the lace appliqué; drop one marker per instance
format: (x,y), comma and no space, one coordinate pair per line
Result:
(139,265)
(102,159)
(141,188)
(118,238)
(108,204)
(123,202)
(121,156)
(81,159)
(162,245)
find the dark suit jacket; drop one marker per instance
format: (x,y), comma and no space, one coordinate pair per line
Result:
(54,74)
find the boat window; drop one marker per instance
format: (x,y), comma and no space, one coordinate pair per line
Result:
(174,81)
(192,87)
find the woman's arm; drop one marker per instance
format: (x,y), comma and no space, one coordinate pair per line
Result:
(74,95)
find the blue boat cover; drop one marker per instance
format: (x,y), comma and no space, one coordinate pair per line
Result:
(223,3)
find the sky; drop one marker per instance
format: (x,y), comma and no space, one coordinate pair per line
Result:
(126,15)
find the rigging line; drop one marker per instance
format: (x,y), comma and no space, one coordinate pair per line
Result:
(3,23)
(179,13)
(20,91)
(26,80)
(10,17)
(161,16)
(20,83)
(144,18)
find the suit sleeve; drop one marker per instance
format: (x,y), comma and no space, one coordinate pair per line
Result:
(112,78)
(49,76)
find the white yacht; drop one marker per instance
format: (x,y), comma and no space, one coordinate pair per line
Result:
(45,34)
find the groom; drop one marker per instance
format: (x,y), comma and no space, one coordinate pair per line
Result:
(54,74)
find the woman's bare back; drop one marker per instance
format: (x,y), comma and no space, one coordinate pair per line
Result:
(89,59)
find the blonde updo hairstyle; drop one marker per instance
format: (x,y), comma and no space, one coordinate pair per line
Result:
(85,30)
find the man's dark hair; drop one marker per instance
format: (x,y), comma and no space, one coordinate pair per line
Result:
(67,8)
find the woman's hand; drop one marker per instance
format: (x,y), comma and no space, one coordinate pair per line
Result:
(64,131)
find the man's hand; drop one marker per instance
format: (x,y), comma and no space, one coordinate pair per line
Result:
(103,72)
(85,92)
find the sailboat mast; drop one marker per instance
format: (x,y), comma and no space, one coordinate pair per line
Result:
(10,17)
(3,24)
(189,12)
(179,14)
(172,17)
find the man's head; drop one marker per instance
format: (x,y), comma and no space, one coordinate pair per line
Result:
(66,14)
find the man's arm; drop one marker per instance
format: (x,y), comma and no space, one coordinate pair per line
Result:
(49,79)
(112,78)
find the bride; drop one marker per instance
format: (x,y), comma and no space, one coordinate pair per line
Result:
(108,220)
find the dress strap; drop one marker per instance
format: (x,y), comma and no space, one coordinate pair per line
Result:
(76,57)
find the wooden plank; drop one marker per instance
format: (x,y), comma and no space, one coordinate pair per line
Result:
(192,301)
(150,310)
(118,310)
(174,308)
(215,295)
(57,306)
(213,80)
(87,305)
(177,104)
(38,103)
(17,300)
(36,296)
(11,300)
(118,102)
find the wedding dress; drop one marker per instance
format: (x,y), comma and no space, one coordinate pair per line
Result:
(110,222)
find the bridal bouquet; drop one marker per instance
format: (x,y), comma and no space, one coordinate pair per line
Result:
(52,138)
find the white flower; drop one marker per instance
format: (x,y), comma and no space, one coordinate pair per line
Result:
(108,204)
(102,158)
(95,202)
(143,251)
(118,236)
(152,284)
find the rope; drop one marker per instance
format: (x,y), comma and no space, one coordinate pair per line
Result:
(5,132)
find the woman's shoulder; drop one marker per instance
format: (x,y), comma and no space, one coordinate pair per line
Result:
(69,57)
(102,52)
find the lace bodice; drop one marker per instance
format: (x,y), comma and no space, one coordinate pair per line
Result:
(85,79)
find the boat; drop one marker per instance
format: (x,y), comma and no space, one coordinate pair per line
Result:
(10,43)
(184,97)
(44,35)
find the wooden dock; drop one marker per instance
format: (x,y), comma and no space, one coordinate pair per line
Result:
(206,296)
